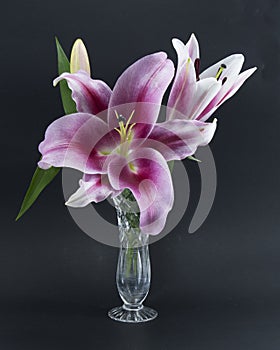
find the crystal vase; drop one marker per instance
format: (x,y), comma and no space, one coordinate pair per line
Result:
(133,274)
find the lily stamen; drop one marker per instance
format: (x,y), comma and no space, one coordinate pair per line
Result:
(130,131)
(124,130)
(220,71)
(120,117)
(196,67)
(129,119)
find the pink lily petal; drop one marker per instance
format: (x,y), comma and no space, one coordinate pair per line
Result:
(106,146)
(178,139)
(91,96)
(93,188)
(146,174)
(141,88)
(139,134)
(110,143)
(70,140)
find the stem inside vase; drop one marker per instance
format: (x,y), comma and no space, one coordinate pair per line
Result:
(133,275)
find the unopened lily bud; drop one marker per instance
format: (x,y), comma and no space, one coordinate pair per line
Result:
(79,58)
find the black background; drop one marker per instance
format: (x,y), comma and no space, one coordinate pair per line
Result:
(216,289)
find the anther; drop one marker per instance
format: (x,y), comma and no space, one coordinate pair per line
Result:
(121,118)
(196,67)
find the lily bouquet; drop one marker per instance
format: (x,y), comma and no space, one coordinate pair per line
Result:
(113,137)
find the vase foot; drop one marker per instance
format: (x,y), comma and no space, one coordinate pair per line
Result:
(122,314)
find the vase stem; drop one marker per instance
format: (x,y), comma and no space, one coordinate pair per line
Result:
(134,270)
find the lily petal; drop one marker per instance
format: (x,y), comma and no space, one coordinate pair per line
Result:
(237,84)
(188,97)
(178,139)
(186,51)
(233,64)
(183,91)
(147,175)
(227,91)
(110,144)
(204,91)
(193,48)
(69,142)
(228,77)
(93,188)
(183,87)
(91,96)
(181,50)
(141,86)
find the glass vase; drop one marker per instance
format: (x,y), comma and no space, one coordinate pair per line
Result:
(133,274)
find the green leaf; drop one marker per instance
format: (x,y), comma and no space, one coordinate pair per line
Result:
(64,66)
(40,180)
(193,158)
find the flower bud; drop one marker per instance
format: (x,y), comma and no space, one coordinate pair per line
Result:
(79,58)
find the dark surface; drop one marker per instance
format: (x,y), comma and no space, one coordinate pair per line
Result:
(217,289)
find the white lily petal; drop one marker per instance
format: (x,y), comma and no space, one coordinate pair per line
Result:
(93,188)
(193,48)
(233,64)
(237,84)
(181,50)
(206,90)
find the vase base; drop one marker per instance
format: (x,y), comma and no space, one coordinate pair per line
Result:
(122,314)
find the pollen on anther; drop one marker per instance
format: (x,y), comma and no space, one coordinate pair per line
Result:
(121,118)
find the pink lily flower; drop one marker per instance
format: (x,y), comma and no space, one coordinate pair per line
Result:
(196,96)
(115,141)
